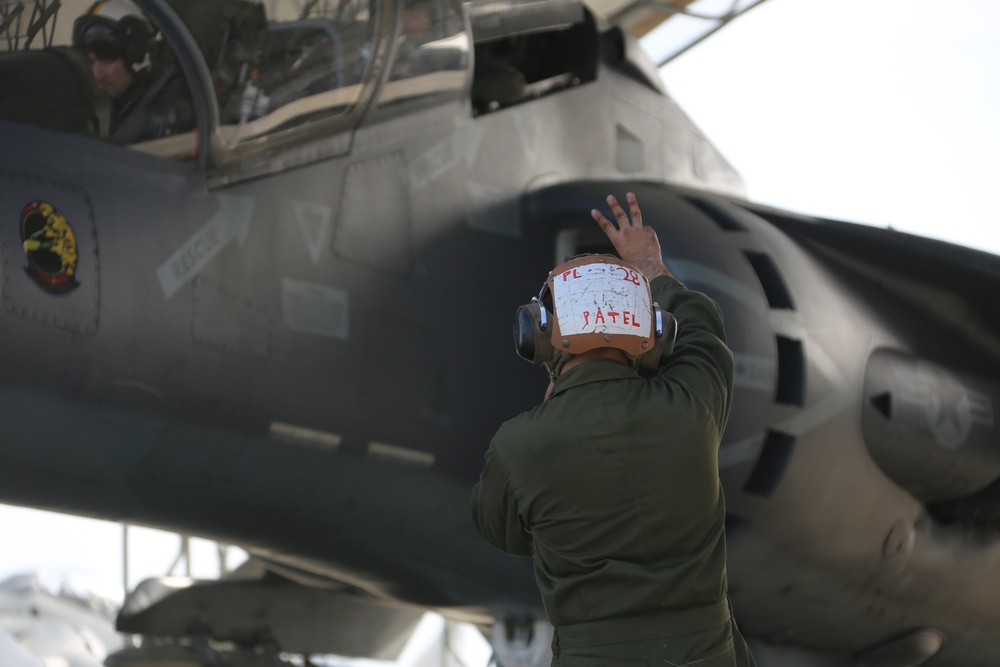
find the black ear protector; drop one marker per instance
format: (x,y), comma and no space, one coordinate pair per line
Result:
(533,329)
(533,333)
(664,336)
(135,37)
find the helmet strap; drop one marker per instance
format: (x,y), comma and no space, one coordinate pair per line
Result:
(555,366)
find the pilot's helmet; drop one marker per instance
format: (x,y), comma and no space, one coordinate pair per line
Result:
(589,302)
(112,29)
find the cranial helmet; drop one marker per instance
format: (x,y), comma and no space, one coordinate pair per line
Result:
(597,301)
(115,29)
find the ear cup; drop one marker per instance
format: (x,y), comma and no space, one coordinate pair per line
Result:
(532,333)
(135,38)
(663,343)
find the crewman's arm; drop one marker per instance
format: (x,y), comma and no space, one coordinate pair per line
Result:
(494,509)
(634,242)
(701,361)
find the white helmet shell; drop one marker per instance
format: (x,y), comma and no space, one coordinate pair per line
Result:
(116,10)
(601,301)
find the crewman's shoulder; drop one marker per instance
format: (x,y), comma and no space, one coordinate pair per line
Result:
(515,426)
(529,426)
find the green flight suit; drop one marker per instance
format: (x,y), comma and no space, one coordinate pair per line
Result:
(612,486)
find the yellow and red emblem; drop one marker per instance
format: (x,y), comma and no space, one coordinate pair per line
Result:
(50,246)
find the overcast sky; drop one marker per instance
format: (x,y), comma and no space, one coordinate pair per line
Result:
(879,111)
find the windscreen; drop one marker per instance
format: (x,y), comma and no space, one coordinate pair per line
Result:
(104,68)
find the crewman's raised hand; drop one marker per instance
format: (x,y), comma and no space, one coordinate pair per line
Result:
(635,244)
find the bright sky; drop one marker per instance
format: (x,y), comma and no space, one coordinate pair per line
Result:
(885,112)
(55,543)
(878,111)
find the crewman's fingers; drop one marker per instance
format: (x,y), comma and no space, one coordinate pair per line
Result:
(620,215)
(633,207)
(602,221)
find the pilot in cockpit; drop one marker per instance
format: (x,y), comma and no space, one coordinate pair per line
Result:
(423,23)
(150,99)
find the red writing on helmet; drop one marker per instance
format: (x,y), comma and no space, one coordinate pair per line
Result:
(566,275)
(628,319)
(630,275)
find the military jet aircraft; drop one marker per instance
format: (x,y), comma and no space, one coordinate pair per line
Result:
(279,317)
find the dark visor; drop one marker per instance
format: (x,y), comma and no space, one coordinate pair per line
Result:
(102,40)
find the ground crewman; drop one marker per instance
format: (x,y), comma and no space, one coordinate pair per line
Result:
(611,484)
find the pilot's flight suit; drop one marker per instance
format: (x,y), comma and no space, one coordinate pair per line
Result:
(156,105)
(612,485)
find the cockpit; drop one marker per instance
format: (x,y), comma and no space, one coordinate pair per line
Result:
(235,77)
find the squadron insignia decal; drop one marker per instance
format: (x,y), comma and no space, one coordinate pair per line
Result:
(50,246)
